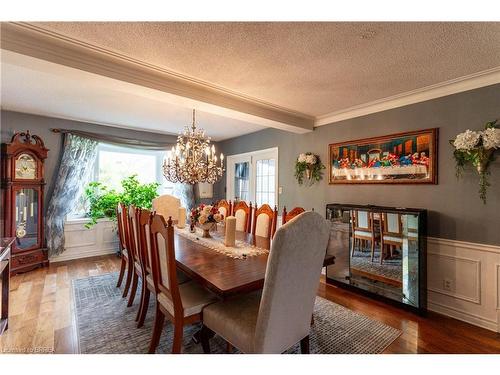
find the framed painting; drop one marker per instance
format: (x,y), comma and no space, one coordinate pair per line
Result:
(405,158)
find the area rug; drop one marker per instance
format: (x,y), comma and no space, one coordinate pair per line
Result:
(106,325)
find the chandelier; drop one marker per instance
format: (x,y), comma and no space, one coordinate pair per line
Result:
(192,160)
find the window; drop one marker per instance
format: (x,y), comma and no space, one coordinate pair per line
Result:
(114,163)
(253,177)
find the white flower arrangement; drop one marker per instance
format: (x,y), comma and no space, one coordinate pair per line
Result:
(477,148)
(309,164)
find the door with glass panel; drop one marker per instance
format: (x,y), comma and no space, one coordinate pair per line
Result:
(253,177)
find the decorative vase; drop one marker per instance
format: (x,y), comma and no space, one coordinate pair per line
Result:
(206,229)
(309,172)
(484,160)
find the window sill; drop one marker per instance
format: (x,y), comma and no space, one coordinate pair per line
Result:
(84,220)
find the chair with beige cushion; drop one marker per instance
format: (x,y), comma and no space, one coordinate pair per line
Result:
(391,236)
(126,258)
(280,317)
(264,221)
(167,206)
(363,231)
(134,251)
(243,213)
(225,208)
(180,303)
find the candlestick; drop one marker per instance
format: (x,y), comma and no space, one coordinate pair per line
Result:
(181,223)
(230,237)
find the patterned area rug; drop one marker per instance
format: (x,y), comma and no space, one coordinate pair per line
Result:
(106,325)
(391,268)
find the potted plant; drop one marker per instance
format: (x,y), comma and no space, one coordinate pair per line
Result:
(207,217)
(477,148)
(310,165)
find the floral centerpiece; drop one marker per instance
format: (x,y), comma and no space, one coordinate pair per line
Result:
(310,165)
(477,148)
(207,217)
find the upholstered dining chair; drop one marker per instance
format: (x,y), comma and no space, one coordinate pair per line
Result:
(243,213)
(287,216)
(126,259)
(167,206)
(362,231)
(180,303)
(134,247)
(264,221)
(225,207)
(280,316)
(392,234)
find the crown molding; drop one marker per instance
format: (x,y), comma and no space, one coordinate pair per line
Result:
(454,86)
(37,42)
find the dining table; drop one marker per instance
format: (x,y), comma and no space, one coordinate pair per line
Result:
(224,275)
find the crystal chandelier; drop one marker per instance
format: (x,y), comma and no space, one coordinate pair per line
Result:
(192,160)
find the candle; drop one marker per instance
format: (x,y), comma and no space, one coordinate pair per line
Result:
(229,240)
(181,223)
(25,210)
(31,209)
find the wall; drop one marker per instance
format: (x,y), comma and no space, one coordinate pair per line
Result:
(464,235)
(12,122)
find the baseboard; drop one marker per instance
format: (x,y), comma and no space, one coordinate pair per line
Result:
(65,256)
(462,315)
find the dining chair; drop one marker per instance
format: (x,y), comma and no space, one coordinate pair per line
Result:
(225,207)
(391,234)
(287,216)
(280,316)
(182,304)
(167,205)
(362,232)
(264,221)
(126,258)
(133,224)
(243,213)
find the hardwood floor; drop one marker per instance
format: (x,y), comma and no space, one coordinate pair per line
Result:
(42,315)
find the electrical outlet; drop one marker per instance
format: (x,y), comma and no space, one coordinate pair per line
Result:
(280,190)
(448,284)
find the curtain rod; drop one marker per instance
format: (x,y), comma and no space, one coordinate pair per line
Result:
(116,140)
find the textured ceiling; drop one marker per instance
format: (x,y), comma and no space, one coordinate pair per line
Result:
(313,68)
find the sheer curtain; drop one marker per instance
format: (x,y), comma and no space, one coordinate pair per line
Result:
(79,155)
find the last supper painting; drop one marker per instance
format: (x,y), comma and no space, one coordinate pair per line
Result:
(405,158)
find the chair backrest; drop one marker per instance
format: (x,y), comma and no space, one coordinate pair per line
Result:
(122,221)
(145,217)
(164,266)
(264,221)
(291,282)
(392,224)
(362,220)
(243,213)
(225,207)
(167,206)
(133,238)
(287,216)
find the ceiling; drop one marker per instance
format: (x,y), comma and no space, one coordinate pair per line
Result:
(312,68)
(36,86)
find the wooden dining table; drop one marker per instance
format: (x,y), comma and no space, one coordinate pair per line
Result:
(223,275)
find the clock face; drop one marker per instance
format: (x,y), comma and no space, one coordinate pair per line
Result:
(25,167)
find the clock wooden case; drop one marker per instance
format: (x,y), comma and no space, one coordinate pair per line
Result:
(22,197)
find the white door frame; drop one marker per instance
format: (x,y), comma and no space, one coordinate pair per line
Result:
(250,157)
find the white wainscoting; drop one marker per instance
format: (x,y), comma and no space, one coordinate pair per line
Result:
(473,274)
(101,239)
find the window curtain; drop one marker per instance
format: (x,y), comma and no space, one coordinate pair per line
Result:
(185,192)
(79,155)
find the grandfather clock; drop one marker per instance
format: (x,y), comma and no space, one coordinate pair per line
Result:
(22,196)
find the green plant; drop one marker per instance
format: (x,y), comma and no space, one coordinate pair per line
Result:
(102,201)
(310,165)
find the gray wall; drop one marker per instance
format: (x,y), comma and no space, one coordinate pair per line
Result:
(12,122)
(455,210)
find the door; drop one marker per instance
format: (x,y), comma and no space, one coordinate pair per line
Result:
(253,177)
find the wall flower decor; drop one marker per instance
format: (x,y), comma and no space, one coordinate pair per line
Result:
(310,165)
(477,148)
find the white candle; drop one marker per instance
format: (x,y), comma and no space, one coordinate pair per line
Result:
(31,209)
(181,223)
(25,210)
(230,238)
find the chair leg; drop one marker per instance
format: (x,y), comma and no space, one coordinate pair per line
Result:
(122,272)
(141,301)
(130,272)
(229,347)
(178,333)
(372,249)
(157,328)
(144,308)
(304,345)
(205,339)
(352,246)
(133,290)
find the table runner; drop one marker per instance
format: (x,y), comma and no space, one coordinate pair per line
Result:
(241,250)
